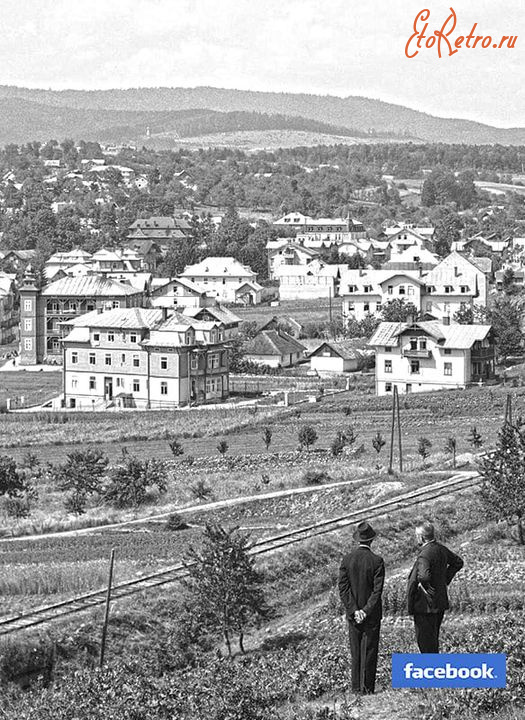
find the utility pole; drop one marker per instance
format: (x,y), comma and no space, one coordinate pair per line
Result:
(106,614)
(396,416)
(508,410)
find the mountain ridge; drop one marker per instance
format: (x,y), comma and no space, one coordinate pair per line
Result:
(353,112)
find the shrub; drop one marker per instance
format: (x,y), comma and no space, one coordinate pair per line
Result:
(176,448)
(83,471)
(175,523)
(201,491)
(307,437)
(12,482)
(222,447)
(129,484)
(314,476)
(423,447)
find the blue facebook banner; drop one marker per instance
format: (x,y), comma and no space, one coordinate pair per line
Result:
(453,670)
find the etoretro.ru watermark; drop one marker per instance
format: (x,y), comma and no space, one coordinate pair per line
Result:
(446,41)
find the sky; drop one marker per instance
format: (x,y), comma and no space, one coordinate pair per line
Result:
(328,47)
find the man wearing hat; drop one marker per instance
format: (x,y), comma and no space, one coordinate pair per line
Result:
(361,579)
(433,570)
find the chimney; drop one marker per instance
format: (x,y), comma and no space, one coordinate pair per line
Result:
(410,319)
(164,313)
(446,320)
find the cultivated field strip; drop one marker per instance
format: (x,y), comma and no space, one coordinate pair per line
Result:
(459,482)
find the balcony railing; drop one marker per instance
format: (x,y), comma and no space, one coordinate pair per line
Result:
(482,353)
(413,353)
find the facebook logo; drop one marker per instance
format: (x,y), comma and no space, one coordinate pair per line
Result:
(453,670)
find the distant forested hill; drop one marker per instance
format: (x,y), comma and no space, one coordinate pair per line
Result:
(355,113)
(22,120)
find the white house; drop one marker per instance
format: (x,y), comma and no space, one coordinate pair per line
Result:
(366,292)
(143,358)
(423,356)
(453,284)
(226,279)
(316,280)
(289,253)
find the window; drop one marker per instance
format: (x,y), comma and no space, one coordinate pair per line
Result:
(115,304)
(213,361)
(414,367)
(96,337)
(367,288)
(448,351)
(413,343)
(123,337)
(90,306)
(429,307)
(388,349)
(92,359)
(464,288)
(136,361)
(448,289)
(351,307)
(133,338)
(410,289)
(74,383)
(74,358)
(28,305)
(366,307)
(422,343)
(119,382)
(390,289)
(388,366)
(388,387)
(28,324)
(71,306)
(107,360)
(402,290)
(448,368)
(28,344)
(378,307)
(111,337)
(194,362)
(352,288)
(92,383)
(164,388)
(123,358)
(136,385)
(164,363)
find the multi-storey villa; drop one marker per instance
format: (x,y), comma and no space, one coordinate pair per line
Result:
(143,358)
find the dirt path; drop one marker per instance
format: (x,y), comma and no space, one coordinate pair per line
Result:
(203,507)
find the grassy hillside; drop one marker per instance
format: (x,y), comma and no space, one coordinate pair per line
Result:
(351,112)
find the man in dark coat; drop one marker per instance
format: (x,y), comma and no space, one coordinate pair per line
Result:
(361,579)
(433,570)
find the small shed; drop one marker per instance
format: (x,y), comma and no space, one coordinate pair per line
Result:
(337,356)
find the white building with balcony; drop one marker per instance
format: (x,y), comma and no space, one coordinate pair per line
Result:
(423,356)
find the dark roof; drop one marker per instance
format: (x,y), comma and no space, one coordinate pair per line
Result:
(271,342)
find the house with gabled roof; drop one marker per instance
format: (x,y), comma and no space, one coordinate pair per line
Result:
(339,356)
(274,348)
(430,355)
(226,279)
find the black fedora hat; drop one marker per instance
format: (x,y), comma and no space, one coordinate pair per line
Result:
(364,532)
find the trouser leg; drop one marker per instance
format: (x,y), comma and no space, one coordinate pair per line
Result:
(370,648)
(439,620)
(355,635)
(427,631)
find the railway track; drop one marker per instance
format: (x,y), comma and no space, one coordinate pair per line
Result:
(457,483)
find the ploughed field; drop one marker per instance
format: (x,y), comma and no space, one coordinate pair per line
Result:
(436,416)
